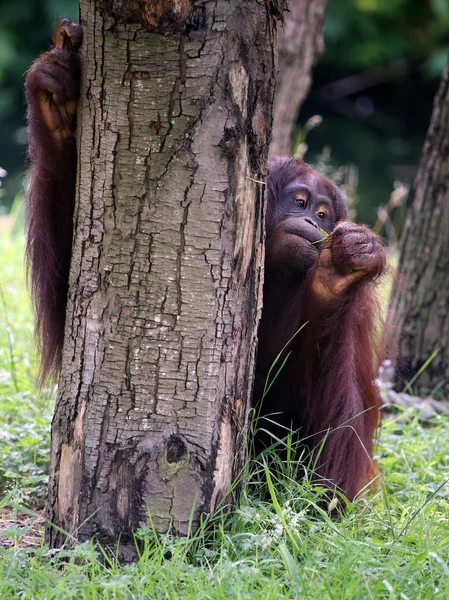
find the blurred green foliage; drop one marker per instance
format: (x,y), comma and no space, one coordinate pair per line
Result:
(369,33)
(374,88)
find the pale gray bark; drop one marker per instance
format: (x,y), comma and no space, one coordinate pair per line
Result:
(419,310)
(165,287)
(299,45)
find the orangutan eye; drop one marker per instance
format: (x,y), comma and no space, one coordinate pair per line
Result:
(321,214)
(301,199)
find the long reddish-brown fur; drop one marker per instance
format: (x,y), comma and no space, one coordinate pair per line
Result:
(326,388)
(50,203)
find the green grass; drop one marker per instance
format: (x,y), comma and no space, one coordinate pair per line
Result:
(24,414)
(392,544)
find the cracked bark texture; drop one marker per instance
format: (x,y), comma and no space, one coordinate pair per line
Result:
(166,274)
(419,315)
(300,42)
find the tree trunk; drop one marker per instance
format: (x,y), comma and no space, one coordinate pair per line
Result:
(419,315)
(299,45)
(166,275)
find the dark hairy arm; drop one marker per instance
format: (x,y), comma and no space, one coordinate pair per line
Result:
(340,355)
(51,95)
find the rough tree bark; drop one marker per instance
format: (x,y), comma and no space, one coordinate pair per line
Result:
(419,315)
(299,45)
(165,284)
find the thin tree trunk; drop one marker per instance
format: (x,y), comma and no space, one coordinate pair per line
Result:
(165,285)
(419,310)
(299,45)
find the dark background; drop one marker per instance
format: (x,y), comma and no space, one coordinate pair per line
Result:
(373,86)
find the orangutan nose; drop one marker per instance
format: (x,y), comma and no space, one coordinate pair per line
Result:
(311,222)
